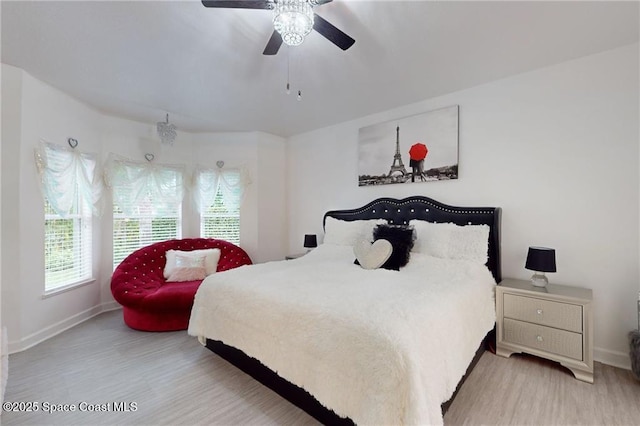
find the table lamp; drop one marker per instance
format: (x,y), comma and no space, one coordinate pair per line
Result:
(541,260)
(310,241)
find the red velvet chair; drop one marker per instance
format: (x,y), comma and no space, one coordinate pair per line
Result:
(149,303)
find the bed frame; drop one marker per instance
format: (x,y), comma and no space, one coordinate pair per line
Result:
(395,212)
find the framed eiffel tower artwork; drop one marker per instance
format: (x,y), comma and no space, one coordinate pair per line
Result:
(418,148)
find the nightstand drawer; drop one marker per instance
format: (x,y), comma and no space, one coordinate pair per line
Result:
(546,339)
(544,312)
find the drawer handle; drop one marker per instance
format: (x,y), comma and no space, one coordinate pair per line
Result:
(539,311)
(539,338)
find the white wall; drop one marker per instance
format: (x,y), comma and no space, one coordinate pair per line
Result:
(556,148)
(41,113)
(4,359)
(11,132)
(272,212)
(33,110)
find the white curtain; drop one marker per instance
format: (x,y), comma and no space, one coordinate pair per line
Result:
(232,183)
(68,176)
(131,182)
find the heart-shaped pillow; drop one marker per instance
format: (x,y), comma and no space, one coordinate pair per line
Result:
(373,256)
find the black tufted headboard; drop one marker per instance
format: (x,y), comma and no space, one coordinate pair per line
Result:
(423,208)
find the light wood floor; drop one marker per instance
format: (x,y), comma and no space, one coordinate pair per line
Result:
(174,380)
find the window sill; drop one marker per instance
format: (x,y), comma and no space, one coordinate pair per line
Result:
(68,287)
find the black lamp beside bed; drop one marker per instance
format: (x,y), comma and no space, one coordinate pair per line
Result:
(310,241)
(540,260)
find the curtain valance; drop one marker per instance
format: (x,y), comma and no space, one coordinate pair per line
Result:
(132,182)
(231,182)
(68,177)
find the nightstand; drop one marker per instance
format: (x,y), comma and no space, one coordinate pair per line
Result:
(294,256)
(553,322)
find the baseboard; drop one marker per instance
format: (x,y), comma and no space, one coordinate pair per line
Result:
(111,306)
(613,358)
(57,328)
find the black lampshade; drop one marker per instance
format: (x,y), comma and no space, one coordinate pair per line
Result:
(310,241)
(541,259)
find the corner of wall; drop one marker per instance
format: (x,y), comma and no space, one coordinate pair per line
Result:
(272,201)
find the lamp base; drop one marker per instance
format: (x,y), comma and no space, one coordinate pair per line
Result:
(539,279)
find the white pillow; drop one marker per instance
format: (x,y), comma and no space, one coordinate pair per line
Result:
(450,241)
(188,268)
(431,238)
(211,258)
(348,233)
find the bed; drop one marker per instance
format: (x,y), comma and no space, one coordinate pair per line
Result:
(350,345)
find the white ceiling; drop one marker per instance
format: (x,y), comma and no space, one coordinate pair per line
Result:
(206,69)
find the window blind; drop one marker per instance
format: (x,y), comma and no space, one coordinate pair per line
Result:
(67,246)
(221,220)
(142,227)
(147,205)
(220,195)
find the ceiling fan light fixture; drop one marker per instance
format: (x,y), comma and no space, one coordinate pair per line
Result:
(293,19)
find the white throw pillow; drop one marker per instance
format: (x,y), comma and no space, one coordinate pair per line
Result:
(188,268)
(431,238)
(348,233)
(211,258)
(470,242)
(451,241)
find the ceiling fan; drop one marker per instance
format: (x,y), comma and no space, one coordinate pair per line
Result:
(292,21)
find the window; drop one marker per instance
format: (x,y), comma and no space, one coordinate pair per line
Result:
(71,189)
(219,195)
(67,246)
(147,205)
(221,220)
(143,225)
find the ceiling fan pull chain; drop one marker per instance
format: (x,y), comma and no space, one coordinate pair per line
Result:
(288,90)
(288,72)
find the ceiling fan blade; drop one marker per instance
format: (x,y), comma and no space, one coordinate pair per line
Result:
(273,45)
(319,2)
(239,4)
(332,33)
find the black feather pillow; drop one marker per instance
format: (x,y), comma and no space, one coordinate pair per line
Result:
(401,238)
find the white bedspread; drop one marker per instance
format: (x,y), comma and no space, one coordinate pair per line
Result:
(380,347)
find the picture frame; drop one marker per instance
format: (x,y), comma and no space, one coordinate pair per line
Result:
(414,149)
